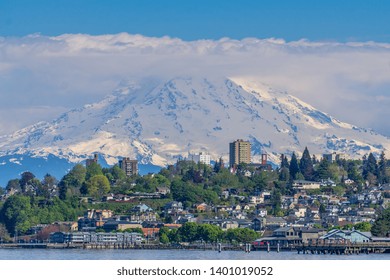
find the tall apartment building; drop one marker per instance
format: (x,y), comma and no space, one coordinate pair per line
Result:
(130,166)
(239,152)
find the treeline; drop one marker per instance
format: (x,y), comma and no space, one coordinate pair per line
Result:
(20,212)
(192,232)
(310,168)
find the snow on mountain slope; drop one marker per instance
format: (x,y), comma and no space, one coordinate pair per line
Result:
(157,122)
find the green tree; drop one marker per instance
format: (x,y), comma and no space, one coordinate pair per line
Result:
(164,239)
(25,180)
(383,174)
(4,235)
(15,213)
(370,167)
(117,173)
(72,182)
(363,226)
(93,169)
(381,226)
(209,233)
(98,185)
(284,162)
(13,185)
(284,174)
(294,167)
(225,179)
(163,235)
(353,173)
(189,232)
(323,169)
(306,165)
(241,235)
(276,202)
(47,184)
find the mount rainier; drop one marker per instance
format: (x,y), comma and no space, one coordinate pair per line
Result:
(158,122)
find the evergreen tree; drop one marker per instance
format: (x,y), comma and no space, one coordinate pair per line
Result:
(323,170)
(381,227)
(314,160)
(294,167)
(383,177)
(25,179)
(370,168)
(306,165)
(284,162)
(353,172)
(284,174)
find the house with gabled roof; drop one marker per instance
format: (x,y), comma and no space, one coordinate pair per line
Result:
(353,236)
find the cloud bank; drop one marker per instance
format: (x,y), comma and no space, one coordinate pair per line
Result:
(41,77)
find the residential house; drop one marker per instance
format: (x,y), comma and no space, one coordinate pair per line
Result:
(256,199)
(327,183)
(229,225)
(257,224)
(349,181)
(163,190)
(173,207)
(141,208)
(261,211)
(370,212)
(300,211)
(203,207)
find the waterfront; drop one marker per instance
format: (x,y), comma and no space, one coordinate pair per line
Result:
(82,254)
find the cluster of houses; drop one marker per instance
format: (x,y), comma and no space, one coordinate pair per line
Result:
(307,216)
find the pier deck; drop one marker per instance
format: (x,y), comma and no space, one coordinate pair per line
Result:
(347,249)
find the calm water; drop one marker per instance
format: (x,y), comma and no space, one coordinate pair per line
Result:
(80,254)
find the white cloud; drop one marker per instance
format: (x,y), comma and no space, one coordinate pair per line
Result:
(351,81)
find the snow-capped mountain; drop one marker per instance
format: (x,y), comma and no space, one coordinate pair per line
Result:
(157,122)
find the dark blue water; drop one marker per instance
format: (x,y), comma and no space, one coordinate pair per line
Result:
(81,254)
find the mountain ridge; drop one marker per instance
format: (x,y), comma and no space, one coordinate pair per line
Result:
(158,122)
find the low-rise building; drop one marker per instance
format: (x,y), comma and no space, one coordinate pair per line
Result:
(128,238)
(305,185)
(353,236)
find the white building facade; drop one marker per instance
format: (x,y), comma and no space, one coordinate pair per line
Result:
(201,157)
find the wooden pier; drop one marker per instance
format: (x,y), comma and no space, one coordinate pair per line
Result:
(345,248)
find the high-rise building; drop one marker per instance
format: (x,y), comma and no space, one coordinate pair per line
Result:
(239,152)
(130,166)
(201,157)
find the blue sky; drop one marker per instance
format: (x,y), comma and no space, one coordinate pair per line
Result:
(331,20)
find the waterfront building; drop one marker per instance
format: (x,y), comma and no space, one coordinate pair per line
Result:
(96,238)
(350,235)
